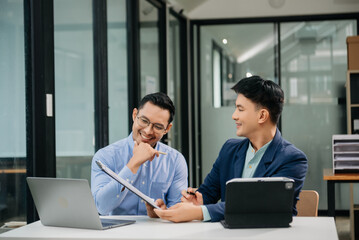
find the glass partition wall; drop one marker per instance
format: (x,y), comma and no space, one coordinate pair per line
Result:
(74,60)
(313,76)
(308,60)
(149,48)
(117,70)
(74,81)
(248,49)
(174,81)
(12,113)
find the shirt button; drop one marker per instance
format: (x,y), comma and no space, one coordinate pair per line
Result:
(141,201)
(128,180)
(250,166)
(143,182)
(117,196)
(132,181)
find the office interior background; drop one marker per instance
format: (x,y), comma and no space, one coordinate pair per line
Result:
(72,71)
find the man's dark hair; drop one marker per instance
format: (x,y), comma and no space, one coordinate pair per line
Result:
(161,100)
(265,93)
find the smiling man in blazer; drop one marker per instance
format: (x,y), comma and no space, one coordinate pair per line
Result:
(262,153)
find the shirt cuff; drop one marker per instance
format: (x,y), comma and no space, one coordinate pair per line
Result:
(206,216)
(127,175)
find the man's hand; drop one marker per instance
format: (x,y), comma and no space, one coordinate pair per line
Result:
(192,196)
(141,153)
(181,212)
(149,208)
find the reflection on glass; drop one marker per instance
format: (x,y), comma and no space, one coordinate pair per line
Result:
(74,88)
(249,50)
(149,44)
(217,78)
(228,77)
(313,70)
(12,113)
(117,69)
(254,50)
(174,81)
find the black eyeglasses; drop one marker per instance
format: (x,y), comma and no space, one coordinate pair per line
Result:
(144,122)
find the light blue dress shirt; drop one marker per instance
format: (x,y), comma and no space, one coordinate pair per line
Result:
(164,177)
(252,160)
(251,163)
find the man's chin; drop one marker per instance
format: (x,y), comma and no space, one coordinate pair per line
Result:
(240,134)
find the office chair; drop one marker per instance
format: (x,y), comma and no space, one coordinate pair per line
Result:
(307,204)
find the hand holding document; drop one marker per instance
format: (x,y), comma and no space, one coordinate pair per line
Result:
(150,210)
(127,184)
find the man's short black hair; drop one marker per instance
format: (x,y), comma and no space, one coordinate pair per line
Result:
(161,100)
(265,93)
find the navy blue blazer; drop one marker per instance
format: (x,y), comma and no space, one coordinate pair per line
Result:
(281,159)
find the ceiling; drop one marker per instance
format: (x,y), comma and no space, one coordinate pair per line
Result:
(214,9)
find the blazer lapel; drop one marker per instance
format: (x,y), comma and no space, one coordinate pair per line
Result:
(268,156)
(240,158)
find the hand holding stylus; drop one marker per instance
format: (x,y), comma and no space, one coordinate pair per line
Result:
(192,195)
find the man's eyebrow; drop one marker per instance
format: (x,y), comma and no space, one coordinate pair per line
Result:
(239,106)
(143,116)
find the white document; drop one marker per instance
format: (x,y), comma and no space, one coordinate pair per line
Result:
(127,184)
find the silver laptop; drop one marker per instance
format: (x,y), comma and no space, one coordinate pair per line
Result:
(63,202)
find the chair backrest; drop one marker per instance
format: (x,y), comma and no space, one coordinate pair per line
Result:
(308,203)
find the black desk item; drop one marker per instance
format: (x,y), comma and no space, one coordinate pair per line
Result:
(258,202)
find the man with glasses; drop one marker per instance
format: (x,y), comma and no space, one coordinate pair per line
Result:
(154,168)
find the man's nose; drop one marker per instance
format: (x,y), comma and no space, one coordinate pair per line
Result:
(149,128)
(234,115)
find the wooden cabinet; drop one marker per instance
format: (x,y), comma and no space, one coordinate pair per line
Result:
(353,52)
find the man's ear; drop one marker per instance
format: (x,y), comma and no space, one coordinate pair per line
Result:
(263,115)
(134,114)
(168,128)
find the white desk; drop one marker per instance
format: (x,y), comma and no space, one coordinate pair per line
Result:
(302,228)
